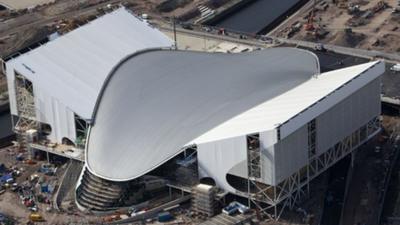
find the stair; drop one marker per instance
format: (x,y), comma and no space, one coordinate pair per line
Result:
(98,194)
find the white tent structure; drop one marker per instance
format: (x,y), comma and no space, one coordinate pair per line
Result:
(68,72)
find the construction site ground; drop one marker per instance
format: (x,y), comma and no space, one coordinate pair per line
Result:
(378,30)
(12,205)
(23,4)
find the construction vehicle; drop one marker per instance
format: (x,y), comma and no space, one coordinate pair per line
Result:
(309,26)
(353,9)
(36,217)
(314,29)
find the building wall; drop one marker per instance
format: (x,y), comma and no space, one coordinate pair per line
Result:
(291,153)
(217,159)
(332,99)
(281,159)
(11,88)
(48,109)
(347,116)
(267,145)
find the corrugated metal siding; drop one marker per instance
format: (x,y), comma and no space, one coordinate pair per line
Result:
(347,116)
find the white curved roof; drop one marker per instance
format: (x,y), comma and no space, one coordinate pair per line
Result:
(158,101)
(73,67)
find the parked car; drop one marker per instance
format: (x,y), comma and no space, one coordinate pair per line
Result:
(234,207)
(320,47)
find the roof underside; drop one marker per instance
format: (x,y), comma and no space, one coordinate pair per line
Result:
(73,67)
(156,102)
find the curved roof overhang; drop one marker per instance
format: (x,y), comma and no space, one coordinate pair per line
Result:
(156,101)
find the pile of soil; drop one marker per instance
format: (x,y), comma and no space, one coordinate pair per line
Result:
(348,39)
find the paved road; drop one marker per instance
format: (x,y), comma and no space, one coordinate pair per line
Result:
(254,42)
(395,58)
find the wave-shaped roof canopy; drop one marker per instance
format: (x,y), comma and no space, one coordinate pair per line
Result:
(158,101)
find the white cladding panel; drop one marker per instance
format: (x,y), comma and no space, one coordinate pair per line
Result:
(291,154)
(217,159)
(287,107)
(267,145)
(11,89)
(356,79)
(348,116)
(51,111)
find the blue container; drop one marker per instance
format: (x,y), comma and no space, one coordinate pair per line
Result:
(45,188)
(165,217)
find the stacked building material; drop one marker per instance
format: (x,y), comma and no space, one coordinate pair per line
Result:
(204,199)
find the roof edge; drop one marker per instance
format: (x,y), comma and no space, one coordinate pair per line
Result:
(111,73)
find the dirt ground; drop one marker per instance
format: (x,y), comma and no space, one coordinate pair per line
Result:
(22,4)
(377,31)
(12,205)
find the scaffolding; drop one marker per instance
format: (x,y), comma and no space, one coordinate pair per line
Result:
(25,109)
(81,131)
(270,200)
